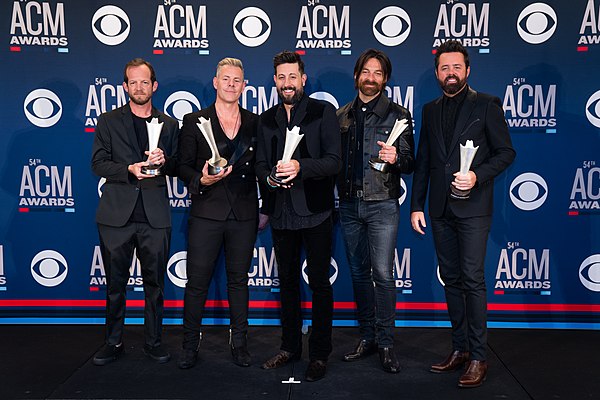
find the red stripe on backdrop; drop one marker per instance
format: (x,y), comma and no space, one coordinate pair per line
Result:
(340,305)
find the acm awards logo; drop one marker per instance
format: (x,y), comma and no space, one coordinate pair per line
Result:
(391,26)
(102,96)
(42,107)
(590,27)
(529,106)
(324,27)
(589,273)
(402,277)
(46,187)
(585,192)
(35,23)
(263,271)
(111,25)
(537,23)
(259,98)
(49,268)
(466,22)
(522,270)
(180,26)
(98,273)
(528,191)
(252,26)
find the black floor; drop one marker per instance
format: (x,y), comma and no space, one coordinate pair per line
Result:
(54,362)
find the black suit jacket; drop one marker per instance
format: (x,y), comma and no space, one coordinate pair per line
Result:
(319,155)
(481,120)
(238,190)
(115,148)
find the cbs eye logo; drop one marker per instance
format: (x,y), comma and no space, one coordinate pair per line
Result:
(332,277)
(327,97)
(110,25)
(439,276)
(177,269)
(592,109)
(537,23)
(252,26)
(42,108)
(402,192)
(589,273)
(528,191)
(391,26)
(181,103)
(49,268)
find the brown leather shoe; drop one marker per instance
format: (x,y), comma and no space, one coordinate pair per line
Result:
(475,374)
(454,361)
(279,360)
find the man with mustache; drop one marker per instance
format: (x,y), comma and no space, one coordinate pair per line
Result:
(133,213)
(299,203)
(369,209)
(460,226)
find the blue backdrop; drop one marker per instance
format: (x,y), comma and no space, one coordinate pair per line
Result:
(62,67)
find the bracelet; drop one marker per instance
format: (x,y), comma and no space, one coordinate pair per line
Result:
(269,183)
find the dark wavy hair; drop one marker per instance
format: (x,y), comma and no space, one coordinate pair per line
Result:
(288,57)
(384,60)
(451,46)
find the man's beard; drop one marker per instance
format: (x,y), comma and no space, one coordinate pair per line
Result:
(452,88)
(294,98)
(370,90)
(140,101)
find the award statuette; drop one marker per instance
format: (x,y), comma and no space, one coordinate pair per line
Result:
(216,163)
(377,163)
(154,128)
(467,154)
(292,139)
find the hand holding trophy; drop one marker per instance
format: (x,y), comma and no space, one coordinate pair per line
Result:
(377,163)
(467,154)
(216,163)
(154,128)
(292,139)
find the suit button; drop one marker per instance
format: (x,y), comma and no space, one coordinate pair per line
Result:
(243,176)
(251,148)
(448,165)
(247,163)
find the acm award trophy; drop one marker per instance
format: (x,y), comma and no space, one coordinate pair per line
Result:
(377,163)
(292,139)
(467,154)
(216,163)
(154,128)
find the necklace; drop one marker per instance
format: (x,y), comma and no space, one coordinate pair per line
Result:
(231,130)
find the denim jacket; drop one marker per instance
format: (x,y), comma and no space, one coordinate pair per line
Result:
(378,126)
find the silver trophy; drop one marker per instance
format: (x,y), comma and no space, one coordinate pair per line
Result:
(154,128)
(377,163)
(216,163)
(467,154)
(292,139)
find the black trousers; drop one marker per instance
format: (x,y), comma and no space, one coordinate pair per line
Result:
(117,245)
(461,246)
(317,244)
(205,239)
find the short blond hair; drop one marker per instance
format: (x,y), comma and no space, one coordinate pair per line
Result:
(230,61)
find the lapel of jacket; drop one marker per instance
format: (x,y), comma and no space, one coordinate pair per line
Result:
(127,119)
(437,124)
(463,117)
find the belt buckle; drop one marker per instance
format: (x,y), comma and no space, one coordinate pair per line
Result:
(359,194)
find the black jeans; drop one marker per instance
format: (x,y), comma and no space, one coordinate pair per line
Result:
(317,243)
(205,239)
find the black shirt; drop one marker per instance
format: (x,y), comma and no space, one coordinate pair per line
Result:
(450,109)
(361,111)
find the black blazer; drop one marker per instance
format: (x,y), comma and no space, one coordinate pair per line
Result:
(319,155)
(115,148)
(238,190)
(481,120)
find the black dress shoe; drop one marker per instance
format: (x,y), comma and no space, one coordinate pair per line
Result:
(454,361)
(316,370)
(188,359)
(280,359)
(108,353)
(363,348)
(158,353)
(388,359)
(240,355)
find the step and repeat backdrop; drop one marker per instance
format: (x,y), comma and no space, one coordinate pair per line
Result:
(62,66)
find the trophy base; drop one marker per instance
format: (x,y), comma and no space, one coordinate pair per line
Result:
(459,194)
(216,167)
(153,170)
(277,179)
(379,165)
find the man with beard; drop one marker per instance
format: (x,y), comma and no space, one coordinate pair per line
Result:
(460,226)
(369,209)
(299,202)
(134,214)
